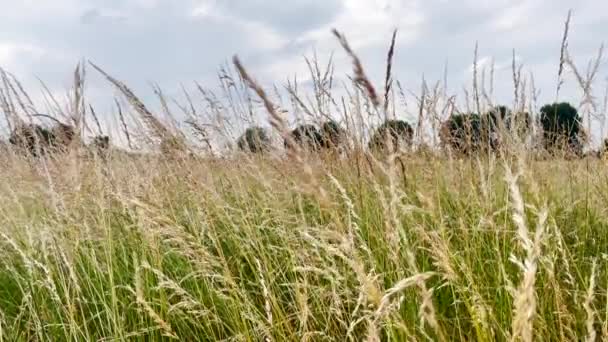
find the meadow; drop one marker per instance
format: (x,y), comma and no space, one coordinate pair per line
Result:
(417,244)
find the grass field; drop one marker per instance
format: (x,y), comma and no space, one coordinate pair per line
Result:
(420,245)
(257,249)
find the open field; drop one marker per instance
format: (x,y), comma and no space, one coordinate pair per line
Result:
(481,237)
(252,250)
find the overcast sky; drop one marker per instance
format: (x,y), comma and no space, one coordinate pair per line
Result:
(180,41)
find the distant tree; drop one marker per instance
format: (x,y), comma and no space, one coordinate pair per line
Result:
(101,145)
(493,125)
(38,140)
(467,133)
(395,133)
(32,138)
(604,149)
(333,136)
(63,135)
(500,121)
(462,132)
(101,142)
(307,137)
(498,116)
(254,140)
(562,129)
(174,147)
(520,123)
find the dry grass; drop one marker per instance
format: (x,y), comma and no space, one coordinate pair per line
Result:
(210,250)
(409,246)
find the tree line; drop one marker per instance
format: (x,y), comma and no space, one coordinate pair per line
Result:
(37,140)
(465,133)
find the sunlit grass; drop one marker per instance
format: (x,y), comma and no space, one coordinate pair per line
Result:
(208,251)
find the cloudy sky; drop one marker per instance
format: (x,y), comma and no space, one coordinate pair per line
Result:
(180,41)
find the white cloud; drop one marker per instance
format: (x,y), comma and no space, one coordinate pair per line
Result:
(204,8)
(368,23)
(10,52)
(510,17)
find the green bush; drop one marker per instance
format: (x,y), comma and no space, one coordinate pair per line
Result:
(255,140)
(562,128)
(332,134)
(307,136)
(394,133)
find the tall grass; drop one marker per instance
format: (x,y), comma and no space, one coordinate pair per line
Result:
(416,245)
(214,250)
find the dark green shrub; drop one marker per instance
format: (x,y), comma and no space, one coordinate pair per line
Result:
(333,136)
(307,137)
(254,140)
(562,129)
(394,133)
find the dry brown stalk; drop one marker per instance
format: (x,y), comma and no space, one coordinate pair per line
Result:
(10,88)
(279,124)
(123,123)
(562,56)
(360,76)
(7,104)
(96,119)
(169,140)
(388,81)
(78,108)
(21,89)
(276,120)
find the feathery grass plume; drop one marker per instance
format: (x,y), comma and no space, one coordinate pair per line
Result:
(266,296)
(123,122)
(590,321)
(525,296)
(78,110)
(196,127)
(138,292)
(426,311)
(388,81)
(26,96)
(604,115)
(278,123)
(476,91)
(304,312)
(353,217)
(4,105)
(421,105)
(492,73)
(441,255)
(588,102)
(52,103)
(564,318)
(524,310)
(201,132)
(169,140)
(169,117)
(276,120)
(186,300)
(12,118)
(10,88)
(292,90)
(517,205)
(400,286)
(518,101)
(562,55)
(360,77)
(385,302)
(321,82)
(96,119)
